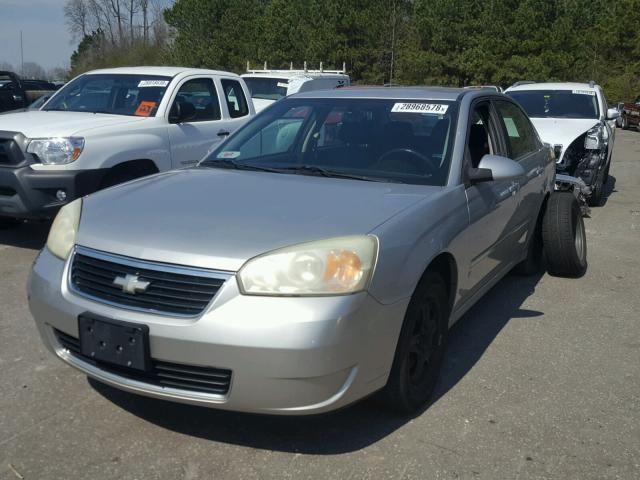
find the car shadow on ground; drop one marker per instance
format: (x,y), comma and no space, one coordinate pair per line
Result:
(609,188)
(349,429)
(31,235)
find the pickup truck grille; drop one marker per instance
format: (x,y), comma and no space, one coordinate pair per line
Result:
(174,375)
(10,153)
(142,285)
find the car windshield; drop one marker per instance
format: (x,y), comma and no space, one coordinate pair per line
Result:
(267,88)
(558,103)
(116,94)
(406,141)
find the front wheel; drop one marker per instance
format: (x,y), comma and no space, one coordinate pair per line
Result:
(597,190)
(624,123)
(420,348)
(563,236)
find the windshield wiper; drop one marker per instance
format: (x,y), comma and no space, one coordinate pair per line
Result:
(227,163)
(323,172)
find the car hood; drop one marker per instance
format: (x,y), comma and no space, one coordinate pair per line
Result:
(218,218)
(41,123)
(562,131)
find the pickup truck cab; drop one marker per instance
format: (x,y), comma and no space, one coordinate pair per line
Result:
(109,126)
(16,93)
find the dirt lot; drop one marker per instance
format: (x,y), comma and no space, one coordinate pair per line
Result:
(541,381)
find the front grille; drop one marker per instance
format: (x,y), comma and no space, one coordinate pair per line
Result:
(10,153)
(172,290)
(165,374)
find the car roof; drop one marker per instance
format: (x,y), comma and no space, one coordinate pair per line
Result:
(400,93)
(553,86)
(162,71)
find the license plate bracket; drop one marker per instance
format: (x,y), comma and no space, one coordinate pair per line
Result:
(120,343)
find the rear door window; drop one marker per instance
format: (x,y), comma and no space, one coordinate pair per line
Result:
(234,96)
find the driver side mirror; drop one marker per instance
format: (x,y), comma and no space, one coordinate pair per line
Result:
(182,112)
(495,167)
(612,114)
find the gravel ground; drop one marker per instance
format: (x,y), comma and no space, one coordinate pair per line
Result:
(540,381)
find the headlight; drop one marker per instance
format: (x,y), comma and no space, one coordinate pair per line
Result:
(56,151)
(62,236)
(593,139)
(327,267)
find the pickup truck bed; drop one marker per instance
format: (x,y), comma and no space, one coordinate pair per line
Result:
(631,114)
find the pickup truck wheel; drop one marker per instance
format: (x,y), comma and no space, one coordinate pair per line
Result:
(563,236)
(8,222)
(118,175)
(596,190)
(420,348)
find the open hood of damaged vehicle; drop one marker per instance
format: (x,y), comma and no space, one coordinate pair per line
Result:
(219,218)
(562,131)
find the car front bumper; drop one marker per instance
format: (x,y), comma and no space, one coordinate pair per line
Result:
(290,356)
(31,194)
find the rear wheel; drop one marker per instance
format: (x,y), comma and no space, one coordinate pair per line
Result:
(563,236)
(421,346)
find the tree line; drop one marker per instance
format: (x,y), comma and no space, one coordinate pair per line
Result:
(435,42)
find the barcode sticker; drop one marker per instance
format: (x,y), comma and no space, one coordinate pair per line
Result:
(153,83)
(283,84)
(583,92)
(437,108)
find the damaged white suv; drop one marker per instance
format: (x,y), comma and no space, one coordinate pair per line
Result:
(572,118)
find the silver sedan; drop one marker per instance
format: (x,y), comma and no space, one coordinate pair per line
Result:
(317,256)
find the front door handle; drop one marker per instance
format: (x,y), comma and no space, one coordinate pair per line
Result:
(223,133)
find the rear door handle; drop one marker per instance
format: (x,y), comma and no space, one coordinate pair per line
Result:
(223,133)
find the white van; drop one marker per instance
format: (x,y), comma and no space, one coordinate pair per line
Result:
(268,86)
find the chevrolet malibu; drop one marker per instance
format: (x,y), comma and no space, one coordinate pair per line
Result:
(316,257)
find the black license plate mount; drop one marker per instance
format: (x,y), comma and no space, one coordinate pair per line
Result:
(116,342)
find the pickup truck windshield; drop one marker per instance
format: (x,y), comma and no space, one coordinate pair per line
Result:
(406,141)
(117,94)
(558,103)
(267,88)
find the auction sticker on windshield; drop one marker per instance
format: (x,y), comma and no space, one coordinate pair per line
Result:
(229,154)
(420,108)
(583,92)
(144,109)
(153,83)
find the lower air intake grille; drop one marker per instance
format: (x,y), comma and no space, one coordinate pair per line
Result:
(143,285)
(174,375)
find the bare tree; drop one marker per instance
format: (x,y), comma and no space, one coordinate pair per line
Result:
(77,15)
(33,71)
(6,66)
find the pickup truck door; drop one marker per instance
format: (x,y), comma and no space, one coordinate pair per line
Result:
(524,146)
(196,121)
(234,102)
(489,240)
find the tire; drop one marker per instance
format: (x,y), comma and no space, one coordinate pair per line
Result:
(532,264)
(121,175)
(417,362)
(596,190)
(8,222)
(606,174)
(624,123)
(563,236)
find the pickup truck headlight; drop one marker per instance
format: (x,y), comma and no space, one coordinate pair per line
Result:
(56,151)
(593,139)
(335,266)
(64,230)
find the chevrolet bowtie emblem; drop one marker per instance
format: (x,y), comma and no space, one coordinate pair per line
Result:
(131,284)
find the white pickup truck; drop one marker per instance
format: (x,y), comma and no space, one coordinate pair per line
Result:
(109,126)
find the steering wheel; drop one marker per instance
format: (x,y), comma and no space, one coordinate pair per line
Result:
(411,152)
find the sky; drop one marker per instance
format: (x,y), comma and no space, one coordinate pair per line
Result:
(46,39)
